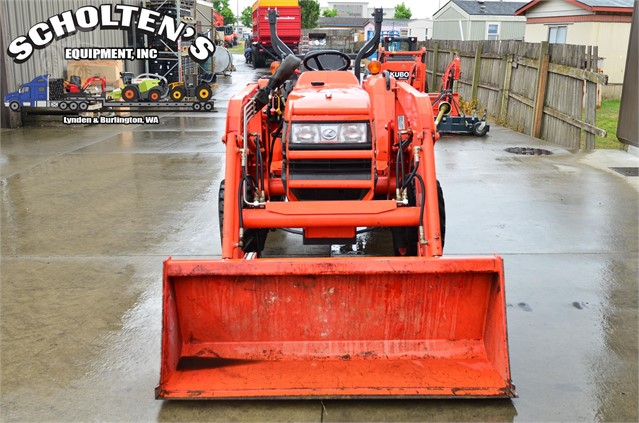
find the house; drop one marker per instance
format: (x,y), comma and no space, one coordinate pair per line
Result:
(351,9)
(420,28)
(390,27)
(602,23)
(479,20)
(338,26)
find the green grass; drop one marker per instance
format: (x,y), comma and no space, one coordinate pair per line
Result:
(238,49)
(607,117)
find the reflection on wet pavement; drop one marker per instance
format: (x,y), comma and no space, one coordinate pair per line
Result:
(89,214)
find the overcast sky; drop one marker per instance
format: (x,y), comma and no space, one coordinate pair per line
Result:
(420,8)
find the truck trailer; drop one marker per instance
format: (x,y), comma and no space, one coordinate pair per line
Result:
(289,26)
(46,92)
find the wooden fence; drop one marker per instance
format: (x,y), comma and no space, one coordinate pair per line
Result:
(548,91)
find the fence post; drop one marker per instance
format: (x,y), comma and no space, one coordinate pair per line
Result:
(542,82)
(477,69)
(505,92)
(433,84)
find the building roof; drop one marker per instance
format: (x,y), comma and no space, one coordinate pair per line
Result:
(395,22)
(341,22)
(608,3)
(503,8)
(609,6)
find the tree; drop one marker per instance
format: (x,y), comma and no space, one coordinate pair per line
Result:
(310,13)
(247,16)
(402,12)
(222,7)
(329,13)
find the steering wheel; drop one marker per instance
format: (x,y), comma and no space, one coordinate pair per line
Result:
(315,57)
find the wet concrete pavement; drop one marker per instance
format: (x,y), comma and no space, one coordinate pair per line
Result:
(90,212)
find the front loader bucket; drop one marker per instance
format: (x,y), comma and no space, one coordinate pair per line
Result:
(334,328)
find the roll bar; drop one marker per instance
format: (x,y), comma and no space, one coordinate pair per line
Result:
(371,46)
(281,49)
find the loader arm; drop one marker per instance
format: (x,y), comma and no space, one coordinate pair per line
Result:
(281,48)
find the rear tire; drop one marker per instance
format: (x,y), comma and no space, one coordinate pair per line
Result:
(63,105)
(73,106)
(83,106)
(208,107)
(258,60)
(203,92)
(197,106)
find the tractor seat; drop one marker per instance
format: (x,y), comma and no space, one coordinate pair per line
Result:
(208,77)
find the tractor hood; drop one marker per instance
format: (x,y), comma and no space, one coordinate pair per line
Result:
(327,93)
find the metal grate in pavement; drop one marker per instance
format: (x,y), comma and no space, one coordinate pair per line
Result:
(627,171)
(528,151)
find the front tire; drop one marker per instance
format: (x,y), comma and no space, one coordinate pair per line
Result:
(14,106)
(155,94)
(130,93)
(406,238)
(177,94)
(480,129)
(253,240)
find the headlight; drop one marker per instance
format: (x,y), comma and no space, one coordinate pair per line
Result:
(329,133)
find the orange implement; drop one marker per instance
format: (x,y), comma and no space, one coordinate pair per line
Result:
(418,328)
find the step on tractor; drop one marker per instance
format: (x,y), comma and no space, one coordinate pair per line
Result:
(197,86)
(144,90)
(323,153)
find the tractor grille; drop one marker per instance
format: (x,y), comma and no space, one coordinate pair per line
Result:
(400,58)
(356,169)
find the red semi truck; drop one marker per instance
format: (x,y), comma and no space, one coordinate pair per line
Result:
(289,28)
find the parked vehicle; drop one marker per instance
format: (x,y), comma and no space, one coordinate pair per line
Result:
(145,90)
(44,91)
(289,22)
(198,86)
(404,61)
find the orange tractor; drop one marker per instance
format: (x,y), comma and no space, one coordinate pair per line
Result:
(453,120)
(404,61)
(320,151)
